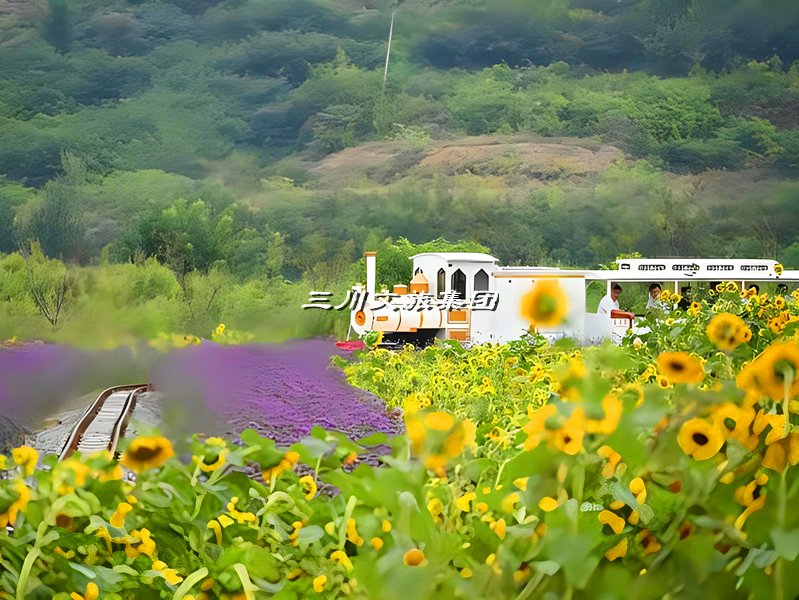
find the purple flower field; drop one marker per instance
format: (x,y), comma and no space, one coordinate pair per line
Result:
(281,391)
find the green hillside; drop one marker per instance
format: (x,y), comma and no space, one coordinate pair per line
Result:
(257,140)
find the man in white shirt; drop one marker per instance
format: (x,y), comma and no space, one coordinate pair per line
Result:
(654,294)
(610,301)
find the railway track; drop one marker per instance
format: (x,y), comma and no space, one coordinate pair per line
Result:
(105,421)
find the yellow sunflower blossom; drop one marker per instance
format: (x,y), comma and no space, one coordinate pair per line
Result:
(545,305)
(569,438)
(700,439)
(147,452)
(681,367)
(727,331)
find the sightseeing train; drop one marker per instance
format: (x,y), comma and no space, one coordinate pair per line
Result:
(467,296)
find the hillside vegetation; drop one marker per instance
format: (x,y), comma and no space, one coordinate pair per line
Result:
(257,142)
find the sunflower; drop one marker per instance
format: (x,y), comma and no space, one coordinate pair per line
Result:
(734,422)
(694,309)
(545,305)
(727,331)
(776,371)
(700,439)
(776,325)
(681,367)
(146,452)
(569,438)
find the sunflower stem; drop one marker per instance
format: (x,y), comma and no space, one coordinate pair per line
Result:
(530,587)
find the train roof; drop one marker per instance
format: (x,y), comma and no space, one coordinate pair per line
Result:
(459,256)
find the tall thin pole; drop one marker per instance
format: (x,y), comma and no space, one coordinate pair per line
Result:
(388,49)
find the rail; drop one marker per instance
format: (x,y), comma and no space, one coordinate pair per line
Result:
(105,421)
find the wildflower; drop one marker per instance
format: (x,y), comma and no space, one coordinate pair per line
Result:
(569,438)
(615,522)
(700,439)
(613,458)
(92,593)
(17,506)
(103,534)
(218,460)
(240,516)
(413,557)
(649,542)
(547,504)
(118,518)
(287,463)
(727,331)
(617,551)
(68,554)
(146,452)
(435,507)
(319,583)
(681,367)
(147,545)
(613,407)
(521,483)
(499,527)
(376,543)
(342,559)
(466,572)
(385,526)
(638,488)
(535,428)
(25,457)
(352,533)
(309,484)
(214,526)
(546,305)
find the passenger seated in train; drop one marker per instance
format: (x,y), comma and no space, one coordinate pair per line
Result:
(652,302)
(610,301)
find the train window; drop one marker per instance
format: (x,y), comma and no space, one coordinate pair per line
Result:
(481,281)
(459,283)
(441,283)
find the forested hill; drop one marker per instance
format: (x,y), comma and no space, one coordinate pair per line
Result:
(261,137)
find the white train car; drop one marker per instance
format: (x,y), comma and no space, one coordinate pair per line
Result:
(466,296)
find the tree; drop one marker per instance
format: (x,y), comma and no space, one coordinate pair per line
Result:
(56,221)
(48,282)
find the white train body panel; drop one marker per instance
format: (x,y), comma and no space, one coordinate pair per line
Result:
(467,273)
